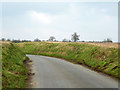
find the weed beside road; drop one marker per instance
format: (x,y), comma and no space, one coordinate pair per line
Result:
(95,57)
(14,72)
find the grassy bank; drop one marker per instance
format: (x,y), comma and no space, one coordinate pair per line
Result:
(14,72)
(97,58)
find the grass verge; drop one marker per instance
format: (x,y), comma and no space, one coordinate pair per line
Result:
(14,72)
(95,57)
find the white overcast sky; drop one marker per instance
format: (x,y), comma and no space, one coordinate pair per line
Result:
(29,20)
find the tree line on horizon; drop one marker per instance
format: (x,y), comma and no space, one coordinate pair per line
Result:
(74,38)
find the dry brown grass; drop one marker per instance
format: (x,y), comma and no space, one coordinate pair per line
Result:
(54,42)
(5,42)
(107,45)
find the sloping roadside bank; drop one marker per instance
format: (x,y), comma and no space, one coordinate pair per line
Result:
(14,70)
(97,58)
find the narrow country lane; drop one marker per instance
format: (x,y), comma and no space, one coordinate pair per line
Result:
(57,73)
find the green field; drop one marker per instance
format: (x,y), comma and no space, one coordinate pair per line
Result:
(97,58)
(14,72)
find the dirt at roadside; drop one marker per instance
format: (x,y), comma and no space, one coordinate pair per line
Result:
(29,65)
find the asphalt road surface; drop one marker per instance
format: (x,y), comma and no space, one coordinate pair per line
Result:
(57,73)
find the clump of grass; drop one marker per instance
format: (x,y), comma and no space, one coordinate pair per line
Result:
(98,58)
(14,72)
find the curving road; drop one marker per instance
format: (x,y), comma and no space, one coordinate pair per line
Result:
(57,73)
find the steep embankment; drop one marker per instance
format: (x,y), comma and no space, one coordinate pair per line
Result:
(97,58)
(14,72)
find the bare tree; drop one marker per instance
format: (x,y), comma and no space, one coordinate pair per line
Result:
(8,40)
(65,40)
(75,37)
(3,39)
(37,40)
(107,40)
(26,41)
(16,41)
(51,38)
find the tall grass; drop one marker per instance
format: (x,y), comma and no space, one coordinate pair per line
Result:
(14,72)
(97,58)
